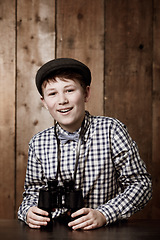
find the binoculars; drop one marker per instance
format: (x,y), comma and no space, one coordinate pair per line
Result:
(66,196)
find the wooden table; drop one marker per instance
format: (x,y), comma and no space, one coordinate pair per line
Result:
(129,230)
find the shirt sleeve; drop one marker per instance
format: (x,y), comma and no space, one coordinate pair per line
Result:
(33,181)
(132,178)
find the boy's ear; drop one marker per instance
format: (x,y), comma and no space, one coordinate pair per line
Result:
(87,93)
(44,103)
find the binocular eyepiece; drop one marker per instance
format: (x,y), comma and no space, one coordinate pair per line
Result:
(66,196)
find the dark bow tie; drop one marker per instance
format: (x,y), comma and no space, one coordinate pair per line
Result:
(64,138)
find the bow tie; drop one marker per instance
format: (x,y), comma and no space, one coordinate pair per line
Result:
(64,138)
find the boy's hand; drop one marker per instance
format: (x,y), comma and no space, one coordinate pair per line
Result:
(91,219)
(37,217)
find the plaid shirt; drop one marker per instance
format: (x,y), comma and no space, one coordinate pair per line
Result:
(110,171)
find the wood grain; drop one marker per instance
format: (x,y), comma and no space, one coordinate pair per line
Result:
(7,108)
(128,70)
(156,112)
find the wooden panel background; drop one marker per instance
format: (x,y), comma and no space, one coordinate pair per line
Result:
(7,108)
(128,70)
(156,112)
(118,39)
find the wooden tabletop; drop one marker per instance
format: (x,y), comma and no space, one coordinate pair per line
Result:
(129,230)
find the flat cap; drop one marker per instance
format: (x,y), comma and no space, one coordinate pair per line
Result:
(62,63)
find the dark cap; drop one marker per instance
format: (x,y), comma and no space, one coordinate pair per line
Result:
(62,63)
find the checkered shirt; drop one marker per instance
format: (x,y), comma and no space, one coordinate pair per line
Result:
(110,172)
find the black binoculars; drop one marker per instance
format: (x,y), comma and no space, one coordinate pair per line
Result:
(66,196)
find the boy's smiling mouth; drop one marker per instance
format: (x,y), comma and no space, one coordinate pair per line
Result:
(64,110)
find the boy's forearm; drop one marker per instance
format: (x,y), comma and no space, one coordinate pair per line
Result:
(127,203)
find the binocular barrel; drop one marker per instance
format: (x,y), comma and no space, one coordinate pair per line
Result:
(60,196)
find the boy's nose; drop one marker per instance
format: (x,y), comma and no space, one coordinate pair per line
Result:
(62,99)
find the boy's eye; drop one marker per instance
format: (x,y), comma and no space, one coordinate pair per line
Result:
(52,93)
(70,90)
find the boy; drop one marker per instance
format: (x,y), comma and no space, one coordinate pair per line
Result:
(96,152)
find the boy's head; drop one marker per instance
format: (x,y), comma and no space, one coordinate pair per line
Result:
(63,68)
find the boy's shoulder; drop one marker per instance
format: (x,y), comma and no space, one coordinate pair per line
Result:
(108,125)
(105,120)
(43,135)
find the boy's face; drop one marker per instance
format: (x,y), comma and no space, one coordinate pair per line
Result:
(65,99)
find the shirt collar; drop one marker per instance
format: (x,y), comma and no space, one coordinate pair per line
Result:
(86,127)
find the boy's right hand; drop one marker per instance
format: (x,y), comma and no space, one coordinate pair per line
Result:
(37,217)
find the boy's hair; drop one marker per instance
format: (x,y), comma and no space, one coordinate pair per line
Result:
(65,74)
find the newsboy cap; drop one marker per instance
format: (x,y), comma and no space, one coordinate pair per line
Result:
(62,63)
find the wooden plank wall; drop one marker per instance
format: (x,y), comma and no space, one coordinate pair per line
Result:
(128,75)
(156,111)
(117,39)
(7,108)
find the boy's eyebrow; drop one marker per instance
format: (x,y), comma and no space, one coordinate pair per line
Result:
(54,88)
(69,85)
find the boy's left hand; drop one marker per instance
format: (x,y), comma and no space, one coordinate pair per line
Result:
(88,219)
